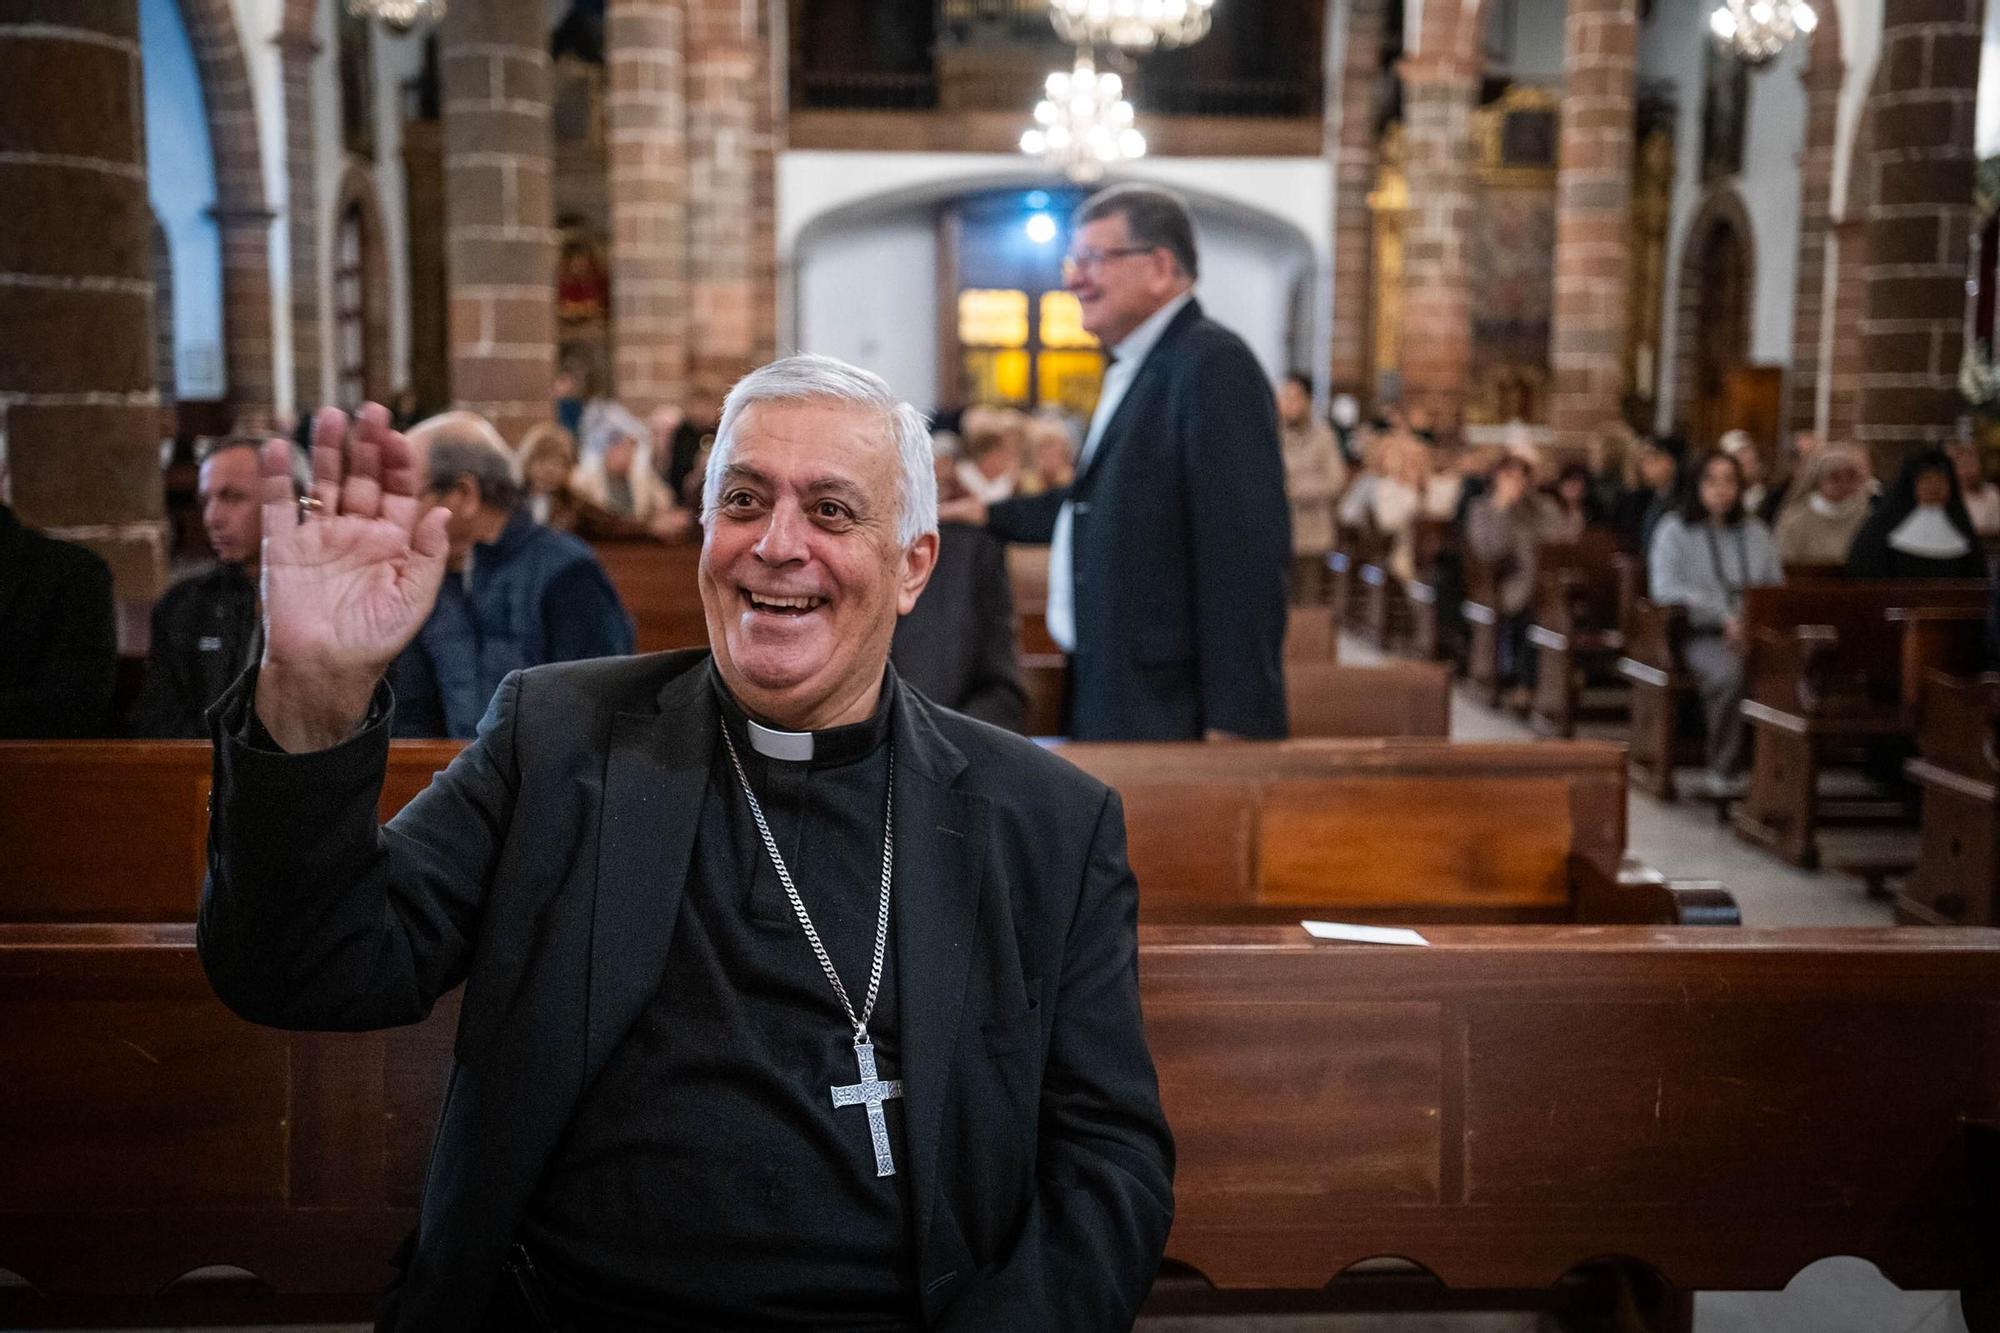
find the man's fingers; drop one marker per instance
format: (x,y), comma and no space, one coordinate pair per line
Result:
(274,473)
(361,492)
(329,439)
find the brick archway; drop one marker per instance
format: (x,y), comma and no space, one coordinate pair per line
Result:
(242,210)
(358,194)
(1721,211)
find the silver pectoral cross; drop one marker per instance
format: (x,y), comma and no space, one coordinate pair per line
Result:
(872,1092)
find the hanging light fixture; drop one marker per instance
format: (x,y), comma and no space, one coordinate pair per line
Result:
(1132,25)
(1084,124)
(398,13)
(1755,31)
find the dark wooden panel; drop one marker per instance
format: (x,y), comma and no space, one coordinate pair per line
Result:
(1398,699)
(1463,841)
(656,582)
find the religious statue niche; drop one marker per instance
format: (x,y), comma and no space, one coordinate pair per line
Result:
(1511,257)
(357,86)
(583,285)
(1725,113)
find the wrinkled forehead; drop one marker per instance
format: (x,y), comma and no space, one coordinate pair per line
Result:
(814,441)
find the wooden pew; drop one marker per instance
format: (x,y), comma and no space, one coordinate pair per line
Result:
(1427,597)
(1581,591)
(656,582)
(1823,672)
(1723,1108)
(1325,699)
(1957,876)
(1392,830)
(117,830)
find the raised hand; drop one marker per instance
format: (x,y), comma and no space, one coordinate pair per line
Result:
(348,577)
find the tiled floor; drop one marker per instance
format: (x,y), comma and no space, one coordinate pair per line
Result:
(1685,842)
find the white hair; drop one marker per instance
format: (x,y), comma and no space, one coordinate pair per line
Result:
(808,378)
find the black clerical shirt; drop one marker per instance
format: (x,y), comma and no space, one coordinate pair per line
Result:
(707,1180)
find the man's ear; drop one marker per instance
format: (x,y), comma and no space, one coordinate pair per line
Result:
(919,561)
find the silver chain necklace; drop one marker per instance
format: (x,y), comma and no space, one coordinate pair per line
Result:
(871,1091)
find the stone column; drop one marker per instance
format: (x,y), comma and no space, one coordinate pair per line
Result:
(77,401)
(246,315)
(1438,96)
(732,254)
(647,113)
(298,48)
(1593,219)
(1919,224)
(500,239)
(1822,77)
(1352,141)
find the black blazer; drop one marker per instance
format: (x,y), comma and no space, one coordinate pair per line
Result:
(544,869)
(58,636)
(1181,544)
(957,644)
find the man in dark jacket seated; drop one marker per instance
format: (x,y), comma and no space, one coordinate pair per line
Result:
(517,594)
(58,634)
(907,1089)
(206,628)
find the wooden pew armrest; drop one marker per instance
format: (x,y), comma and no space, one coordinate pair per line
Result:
(1655,635)
(1639,896)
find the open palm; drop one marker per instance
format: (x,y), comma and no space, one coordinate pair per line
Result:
(348,584)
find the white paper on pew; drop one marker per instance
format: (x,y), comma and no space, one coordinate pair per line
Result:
(1335,930)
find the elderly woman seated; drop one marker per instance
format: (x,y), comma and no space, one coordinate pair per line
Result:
(618,475)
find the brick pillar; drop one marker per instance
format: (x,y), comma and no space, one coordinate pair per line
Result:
(1438,96)
(649,202)
(1822,77)
(246,315)
(77,400)
(1847,358)
(1919,224)
(732,255)
(1353,144)
(1593,219)
(298,49)
(500,239)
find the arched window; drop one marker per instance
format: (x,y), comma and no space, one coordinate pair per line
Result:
(350,305)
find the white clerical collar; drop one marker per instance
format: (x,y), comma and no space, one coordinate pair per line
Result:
(793,746)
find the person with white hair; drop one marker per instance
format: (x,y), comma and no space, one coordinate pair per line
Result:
(791,998)
(619,475)
(519,594)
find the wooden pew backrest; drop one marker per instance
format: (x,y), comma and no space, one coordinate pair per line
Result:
(118,830)
(1725,1107)
(1391,829)
(1325,699)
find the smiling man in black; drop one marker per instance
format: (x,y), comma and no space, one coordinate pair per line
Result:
(791,999)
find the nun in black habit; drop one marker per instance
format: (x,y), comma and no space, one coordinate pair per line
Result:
(1920,530)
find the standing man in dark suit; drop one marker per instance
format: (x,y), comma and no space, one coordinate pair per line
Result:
(1169,552)
(909,1090)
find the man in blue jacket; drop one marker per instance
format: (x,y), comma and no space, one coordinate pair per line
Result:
(516,594)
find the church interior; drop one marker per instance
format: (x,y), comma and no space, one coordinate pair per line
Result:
(1683,1051)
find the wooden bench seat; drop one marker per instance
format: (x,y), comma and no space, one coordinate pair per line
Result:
(1721,1107)
(115,831)
(656,582)
(1824,671)
(1394,830)
(1582,589)
(1957,877)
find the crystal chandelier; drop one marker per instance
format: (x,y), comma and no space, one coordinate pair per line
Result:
(1084,124)
(1133,25)
(1755,31)
(398,13)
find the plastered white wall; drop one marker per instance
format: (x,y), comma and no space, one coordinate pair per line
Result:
(180,186)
